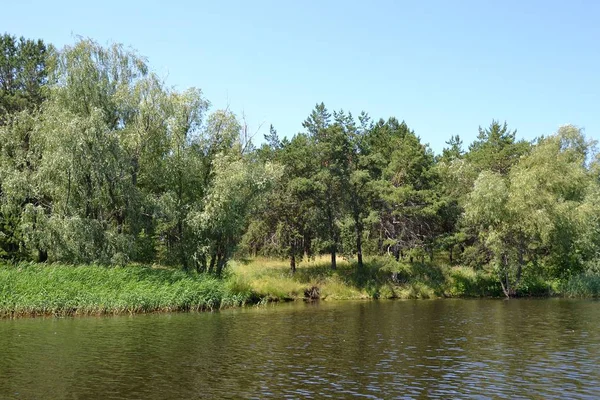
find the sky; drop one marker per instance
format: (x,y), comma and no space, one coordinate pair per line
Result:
(444,67)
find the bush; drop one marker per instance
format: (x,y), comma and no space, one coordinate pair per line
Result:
(534,285)
(465,281)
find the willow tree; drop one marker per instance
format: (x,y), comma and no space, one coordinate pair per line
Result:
(84,167)
(221,218)
(182,177)
(532,217)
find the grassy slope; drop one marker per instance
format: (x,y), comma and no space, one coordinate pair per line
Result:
(30,289)
(379,279)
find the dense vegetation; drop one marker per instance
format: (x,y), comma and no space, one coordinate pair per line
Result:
(68,290)
(101,162)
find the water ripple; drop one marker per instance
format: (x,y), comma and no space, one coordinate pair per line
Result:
(473,349)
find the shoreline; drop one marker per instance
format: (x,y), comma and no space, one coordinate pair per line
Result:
(56,290)
(6,316)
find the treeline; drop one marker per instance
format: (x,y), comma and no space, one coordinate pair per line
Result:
(356,187)
(102,162)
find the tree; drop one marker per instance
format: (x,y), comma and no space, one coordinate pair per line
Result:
(289,215)
(454,150)
(294,205)
(224,212)
(489,210)
(184,176)
(84,164)
(24,69)
(331,147)
(533,212)
(358,179)
(496,149)
(406,200)
(25,66)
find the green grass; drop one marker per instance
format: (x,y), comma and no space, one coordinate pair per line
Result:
(380,278)
(29,289)
(35,289)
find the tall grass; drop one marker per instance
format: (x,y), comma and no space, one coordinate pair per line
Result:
(29,289)
(584,285)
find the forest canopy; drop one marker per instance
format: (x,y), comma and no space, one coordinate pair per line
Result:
(102,162)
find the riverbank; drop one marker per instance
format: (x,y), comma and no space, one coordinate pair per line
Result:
(36,289)
(31,290)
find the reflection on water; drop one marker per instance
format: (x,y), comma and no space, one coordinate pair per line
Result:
(392,349)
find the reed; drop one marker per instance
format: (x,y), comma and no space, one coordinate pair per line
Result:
(29,289)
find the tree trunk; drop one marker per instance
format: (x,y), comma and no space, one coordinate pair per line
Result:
(293,262)
(359,232)
(42,256)
(450,254)
(332,236)
(508,290)
(521,260)
(306,241)
(213,260)
(201,264)
(333,258)
(359,246)
(220,263)
(505,289)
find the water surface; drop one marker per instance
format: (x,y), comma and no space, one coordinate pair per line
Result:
(379,350)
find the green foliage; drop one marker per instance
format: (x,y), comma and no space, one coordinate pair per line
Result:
(496,149)
(102,162)
(114,166)
(25,66)
(468,282)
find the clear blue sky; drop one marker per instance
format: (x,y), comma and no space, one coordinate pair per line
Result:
(445,67)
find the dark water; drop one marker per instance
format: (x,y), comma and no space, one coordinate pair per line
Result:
(395,349)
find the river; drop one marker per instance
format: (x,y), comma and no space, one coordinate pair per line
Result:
(375,349)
